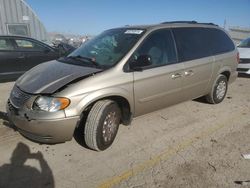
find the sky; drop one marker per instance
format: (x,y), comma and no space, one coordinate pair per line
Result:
(93,16)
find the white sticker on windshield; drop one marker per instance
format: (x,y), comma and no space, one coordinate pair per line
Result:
(134,31)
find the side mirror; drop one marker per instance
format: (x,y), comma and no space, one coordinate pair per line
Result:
(61,49)
(140,62)
(46,50)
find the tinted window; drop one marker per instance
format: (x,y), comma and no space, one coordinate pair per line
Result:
(194,43)
(220,42)
(5,45)
(28,45)
(160,47)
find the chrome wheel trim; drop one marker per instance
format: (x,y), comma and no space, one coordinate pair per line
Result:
(109,126)
(221,89)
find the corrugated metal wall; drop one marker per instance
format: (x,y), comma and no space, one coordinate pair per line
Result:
(238,33)
(19,12)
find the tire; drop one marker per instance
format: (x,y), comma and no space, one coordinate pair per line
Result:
(102,125)
(219,90)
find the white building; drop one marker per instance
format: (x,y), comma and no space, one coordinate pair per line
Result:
(239,33)
(17,18)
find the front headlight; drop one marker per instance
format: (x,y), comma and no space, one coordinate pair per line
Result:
(50,104)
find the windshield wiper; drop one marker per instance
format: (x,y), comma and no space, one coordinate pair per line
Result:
(82,58)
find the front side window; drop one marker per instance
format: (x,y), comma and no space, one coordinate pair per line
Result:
(108,48)
(159,47)
(27,45)
(5,44)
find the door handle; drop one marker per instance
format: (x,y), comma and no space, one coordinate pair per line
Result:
(189,73)
(21,57)
(177,75)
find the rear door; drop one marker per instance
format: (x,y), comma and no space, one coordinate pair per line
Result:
(194,51)
(10,59)
(159,84)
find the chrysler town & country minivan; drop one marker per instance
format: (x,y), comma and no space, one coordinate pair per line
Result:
(121,74)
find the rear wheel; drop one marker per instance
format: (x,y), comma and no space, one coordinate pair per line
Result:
(102,124)
(219,90)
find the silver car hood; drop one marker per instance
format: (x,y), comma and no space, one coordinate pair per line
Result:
(48,77)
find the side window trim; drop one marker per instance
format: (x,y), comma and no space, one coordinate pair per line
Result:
(175,46)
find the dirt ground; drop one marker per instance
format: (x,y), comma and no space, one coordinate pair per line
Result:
(192,144)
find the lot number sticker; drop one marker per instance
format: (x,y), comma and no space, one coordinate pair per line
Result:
(135,31)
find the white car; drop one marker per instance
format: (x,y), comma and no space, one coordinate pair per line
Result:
(244,51)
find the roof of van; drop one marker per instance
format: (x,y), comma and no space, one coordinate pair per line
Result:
(173,24)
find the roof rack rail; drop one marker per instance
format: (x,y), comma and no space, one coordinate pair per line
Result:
(188,22)
(208,23)
(191,22)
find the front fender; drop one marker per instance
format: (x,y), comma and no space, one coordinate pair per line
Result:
(80,105)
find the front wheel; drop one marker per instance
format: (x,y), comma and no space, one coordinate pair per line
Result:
(102,124)
(219,90)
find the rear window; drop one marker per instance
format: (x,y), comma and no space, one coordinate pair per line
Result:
(195,43)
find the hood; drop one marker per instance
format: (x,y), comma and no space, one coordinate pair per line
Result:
(244,53)
(48,77)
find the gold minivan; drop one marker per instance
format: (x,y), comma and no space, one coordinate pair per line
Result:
(121,74)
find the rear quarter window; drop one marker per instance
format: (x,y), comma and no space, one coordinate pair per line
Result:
(5,45)
(195,43)
(220,42)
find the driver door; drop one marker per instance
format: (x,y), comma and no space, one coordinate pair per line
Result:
(33,53)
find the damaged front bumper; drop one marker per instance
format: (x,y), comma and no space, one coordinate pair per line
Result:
(50,130)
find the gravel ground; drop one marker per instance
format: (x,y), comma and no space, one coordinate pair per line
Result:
(192,144)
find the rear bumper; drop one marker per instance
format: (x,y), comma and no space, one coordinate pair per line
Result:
(44,131)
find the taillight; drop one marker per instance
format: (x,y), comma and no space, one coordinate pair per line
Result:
(238,57)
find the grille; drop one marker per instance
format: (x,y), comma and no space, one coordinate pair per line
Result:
(244,61)
(18,97)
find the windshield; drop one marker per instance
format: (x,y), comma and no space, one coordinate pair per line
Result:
(245,43)
(108,48)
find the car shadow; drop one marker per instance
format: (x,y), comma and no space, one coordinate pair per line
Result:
(18,174)
(201,100)
(6,121)
(204,101)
